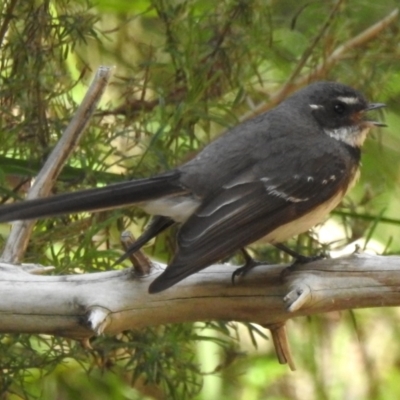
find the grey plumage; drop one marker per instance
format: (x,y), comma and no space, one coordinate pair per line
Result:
(275,175)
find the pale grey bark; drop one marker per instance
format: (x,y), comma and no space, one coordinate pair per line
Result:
(80,306)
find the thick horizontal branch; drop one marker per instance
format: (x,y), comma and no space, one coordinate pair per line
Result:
(80,306)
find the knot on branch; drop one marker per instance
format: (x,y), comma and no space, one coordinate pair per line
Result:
(98,319)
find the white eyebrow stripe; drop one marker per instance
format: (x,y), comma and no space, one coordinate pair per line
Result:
(349,100)
(315,106)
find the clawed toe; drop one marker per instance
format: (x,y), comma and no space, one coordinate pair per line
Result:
(250,263)
(307,259)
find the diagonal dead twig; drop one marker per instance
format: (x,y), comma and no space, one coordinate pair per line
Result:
(140,262)
(309,50)
(21,230)
(290,86)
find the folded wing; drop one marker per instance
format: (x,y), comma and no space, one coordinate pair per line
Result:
(248,208)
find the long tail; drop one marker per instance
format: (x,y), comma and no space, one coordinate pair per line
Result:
(111,196)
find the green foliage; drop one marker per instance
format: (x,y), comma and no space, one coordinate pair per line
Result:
(185,72)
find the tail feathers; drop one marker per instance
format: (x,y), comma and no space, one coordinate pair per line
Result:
(157,225)
(171,276)
(111,196)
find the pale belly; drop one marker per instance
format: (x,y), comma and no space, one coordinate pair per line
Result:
(303,223)
(309,220)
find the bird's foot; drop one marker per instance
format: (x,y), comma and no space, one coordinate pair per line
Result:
(299,258)
(249,264)
(302,260)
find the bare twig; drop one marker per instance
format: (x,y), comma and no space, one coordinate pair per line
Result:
(281,344)
(364,37)
(141,263)
(8,16)
(309,50)
(21,230)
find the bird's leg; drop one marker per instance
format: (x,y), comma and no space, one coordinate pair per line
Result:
(299,258)
(249,264)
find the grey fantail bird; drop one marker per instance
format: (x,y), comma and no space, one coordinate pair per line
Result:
(273,176)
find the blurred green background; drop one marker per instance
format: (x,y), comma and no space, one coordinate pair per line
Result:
(185,71)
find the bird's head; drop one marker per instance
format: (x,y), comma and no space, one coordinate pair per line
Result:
(340,111)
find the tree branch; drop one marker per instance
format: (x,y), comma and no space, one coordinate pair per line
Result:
(44,182)
(291,85)
(80,306)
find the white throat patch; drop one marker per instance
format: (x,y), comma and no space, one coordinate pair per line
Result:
(353,136)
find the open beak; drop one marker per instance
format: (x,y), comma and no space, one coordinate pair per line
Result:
(375,106)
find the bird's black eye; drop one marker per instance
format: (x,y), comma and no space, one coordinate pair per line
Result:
(339,108)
